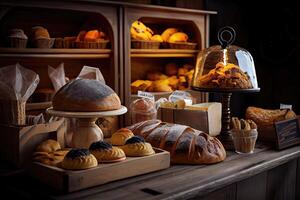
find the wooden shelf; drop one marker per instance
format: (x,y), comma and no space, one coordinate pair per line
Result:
(55,53)
(160,53)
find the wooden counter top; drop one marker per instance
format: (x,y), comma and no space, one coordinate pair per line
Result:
(179,181)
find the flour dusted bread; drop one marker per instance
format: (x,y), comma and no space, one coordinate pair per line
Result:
(186,145)
(85,95)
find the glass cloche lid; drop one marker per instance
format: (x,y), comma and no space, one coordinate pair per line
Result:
(225,66)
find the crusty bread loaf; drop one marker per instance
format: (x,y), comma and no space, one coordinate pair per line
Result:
(186,145)
(84,95)
(265,117)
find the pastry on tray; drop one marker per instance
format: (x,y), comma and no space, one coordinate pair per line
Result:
(77,159)
(136,146)
(105,152)
(85,95)
(140,85)
(226,76)
(119,137)
(49,152)
(48,146)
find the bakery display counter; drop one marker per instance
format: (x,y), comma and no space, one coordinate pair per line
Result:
(265,174)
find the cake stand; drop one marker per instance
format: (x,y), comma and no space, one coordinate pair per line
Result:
(226,94)
(86,131)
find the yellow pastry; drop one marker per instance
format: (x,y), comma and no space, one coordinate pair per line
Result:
(140,85)
(77,159)
(119,138)
(157,38)
(48,146)
(105,152)
(167,33)
(178,37)
(136,146)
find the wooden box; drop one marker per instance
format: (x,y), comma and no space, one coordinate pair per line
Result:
(70,181)
(17,143)
(268,133)
(205,117)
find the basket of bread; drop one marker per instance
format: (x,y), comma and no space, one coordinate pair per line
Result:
(143,37)
(93,39)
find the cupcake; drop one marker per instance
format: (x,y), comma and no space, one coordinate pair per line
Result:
(17,38)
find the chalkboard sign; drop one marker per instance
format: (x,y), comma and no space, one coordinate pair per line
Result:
(287,132)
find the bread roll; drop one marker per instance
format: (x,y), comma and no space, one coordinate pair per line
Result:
(84,95)
(186,145)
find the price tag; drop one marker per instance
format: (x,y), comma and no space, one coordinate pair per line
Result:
(146,95)
(177,94)
(286,106)
(288,133)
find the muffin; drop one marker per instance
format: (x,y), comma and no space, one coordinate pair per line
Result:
(17,38)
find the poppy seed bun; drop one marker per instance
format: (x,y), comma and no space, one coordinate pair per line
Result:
(84,95)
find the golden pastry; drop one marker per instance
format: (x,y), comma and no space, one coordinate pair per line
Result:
(40,32)
(140,85)
(182,71)
(156,38)
(105,152)
(48,146)
(139,31)
(178,37)
(51,158)
(77,159)
(160,86)
(173,82)
(119,138)
(136,146)
(167,33)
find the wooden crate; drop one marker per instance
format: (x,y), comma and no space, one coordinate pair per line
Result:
(70,180)
(17,143)
(207,120)
(268,133)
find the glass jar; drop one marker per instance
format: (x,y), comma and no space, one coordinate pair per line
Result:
(142,110)
(244,141)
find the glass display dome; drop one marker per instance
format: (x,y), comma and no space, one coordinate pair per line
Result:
(225,66)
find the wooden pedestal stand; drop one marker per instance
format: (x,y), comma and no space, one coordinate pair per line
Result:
(86,131)
(224,137)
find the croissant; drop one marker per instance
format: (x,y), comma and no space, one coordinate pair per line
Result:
(185,144)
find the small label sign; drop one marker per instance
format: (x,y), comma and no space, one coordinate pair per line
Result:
(146,95)
(288,133)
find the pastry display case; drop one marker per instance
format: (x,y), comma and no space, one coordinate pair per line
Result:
(161,48)
(225,69)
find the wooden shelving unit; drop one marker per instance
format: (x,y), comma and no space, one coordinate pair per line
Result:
(161,53)
(55,53)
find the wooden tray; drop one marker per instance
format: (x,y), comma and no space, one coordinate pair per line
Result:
(70,180)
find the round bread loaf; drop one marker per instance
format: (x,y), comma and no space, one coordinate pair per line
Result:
(85,95)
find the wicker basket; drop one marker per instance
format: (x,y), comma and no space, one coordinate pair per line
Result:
(12,112)
(18,42)
(101,44)
(44,43)
(144,44)
(183,45)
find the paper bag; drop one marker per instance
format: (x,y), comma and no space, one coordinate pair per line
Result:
(16,85)
(91,73)
(57,76)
